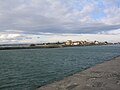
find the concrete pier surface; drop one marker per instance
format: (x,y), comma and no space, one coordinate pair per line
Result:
(104,76)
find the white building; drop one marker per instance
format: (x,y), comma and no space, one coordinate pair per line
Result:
(69,42)
(76,43)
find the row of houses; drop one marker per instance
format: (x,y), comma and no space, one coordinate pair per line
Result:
(70,42)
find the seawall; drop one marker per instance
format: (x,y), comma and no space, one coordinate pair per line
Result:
(104,76)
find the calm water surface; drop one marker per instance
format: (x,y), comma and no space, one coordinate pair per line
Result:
(29,68)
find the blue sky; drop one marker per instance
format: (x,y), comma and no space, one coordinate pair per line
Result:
(35,21)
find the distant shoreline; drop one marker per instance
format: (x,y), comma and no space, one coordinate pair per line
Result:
(44,46)
(68,43)
(30,47)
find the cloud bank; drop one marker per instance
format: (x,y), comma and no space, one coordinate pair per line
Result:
(25,20)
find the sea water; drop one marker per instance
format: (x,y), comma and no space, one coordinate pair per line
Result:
(27,69)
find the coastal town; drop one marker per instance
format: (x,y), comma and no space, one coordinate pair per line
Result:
(73,43)
(68,43)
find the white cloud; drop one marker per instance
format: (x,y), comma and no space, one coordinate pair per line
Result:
(110,36)
(41,12)
(8,36)
(112,16)
(21,18)
(111,32)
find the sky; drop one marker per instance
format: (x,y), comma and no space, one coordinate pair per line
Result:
(38,21)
